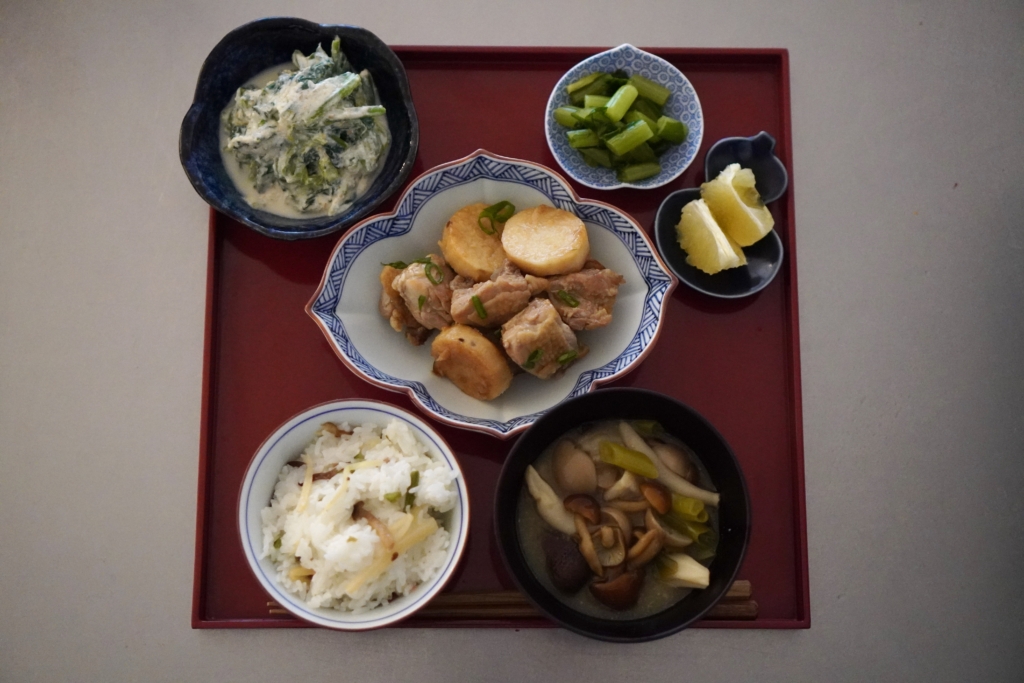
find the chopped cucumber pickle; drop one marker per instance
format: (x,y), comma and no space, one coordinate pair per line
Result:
(564,116)
(583,138)
(615,121)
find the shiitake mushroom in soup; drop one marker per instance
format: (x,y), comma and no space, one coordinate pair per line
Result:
(642,512)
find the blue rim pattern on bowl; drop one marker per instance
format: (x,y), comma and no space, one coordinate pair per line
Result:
(683,105)
(359,621)
(482,164)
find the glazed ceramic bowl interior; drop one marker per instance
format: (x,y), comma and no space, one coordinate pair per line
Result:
(257,46)
(286,443)
(683,105)
(681,422)
(346,304)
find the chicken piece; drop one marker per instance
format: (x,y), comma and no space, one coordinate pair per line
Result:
(426,290)
(536,284)
(392,307)
(592,290)
(539,342)
(471,361)
(499,298)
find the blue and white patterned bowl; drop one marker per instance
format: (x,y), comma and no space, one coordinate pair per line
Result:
(345,304)
(683,105)
(287,443)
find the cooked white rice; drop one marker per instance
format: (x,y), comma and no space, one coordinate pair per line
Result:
(320,534)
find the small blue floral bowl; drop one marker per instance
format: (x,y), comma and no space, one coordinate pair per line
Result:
(683,105)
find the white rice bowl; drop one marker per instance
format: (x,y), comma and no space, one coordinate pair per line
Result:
(325,564)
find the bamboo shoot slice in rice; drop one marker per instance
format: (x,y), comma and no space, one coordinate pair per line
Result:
(415,533)
(307,484)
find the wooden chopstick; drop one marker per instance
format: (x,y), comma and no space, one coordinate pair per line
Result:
(736,604)
(739,590)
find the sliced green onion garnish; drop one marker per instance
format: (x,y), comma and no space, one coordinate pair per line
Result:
(277,543)
(494,214)
(700,533)
(648,427)
(400,265)
(414,481)
(433,273)
(532,359)
(700,552)
(393,496)
(481,312)
(487,227)
(359,457)
(568,298)
(690,509)
(503,211)
(567,357)
(422,300)
(628,459)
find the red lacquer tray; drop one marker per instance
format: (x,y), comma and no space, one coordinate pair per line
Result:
(736,362)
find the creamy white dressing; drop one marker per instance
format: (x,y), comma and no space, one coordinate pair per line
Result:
(278,200)
(274,200)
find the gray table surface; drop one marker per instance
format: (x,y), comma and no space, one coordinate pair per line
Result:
(907,148)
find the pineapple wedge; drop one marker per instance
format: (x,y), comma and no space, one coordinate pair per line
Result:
(706,246)
(736,205)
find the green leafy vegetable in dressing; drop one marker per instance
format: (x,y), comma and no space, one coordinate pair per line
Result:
(316,134)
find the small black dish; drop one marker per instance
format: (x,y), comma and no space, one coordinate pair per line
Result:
(764,258)
(680,421)
(257,46)
(756,153)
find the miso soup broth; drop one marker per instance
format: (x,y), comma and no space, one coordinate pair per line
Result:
(603,444)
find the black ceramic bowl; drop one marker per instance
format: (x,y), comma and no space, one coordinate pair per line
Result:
(678,420)
(257,46)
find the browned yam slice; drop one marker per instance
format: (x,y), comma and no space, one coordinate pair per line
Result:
(544,241)
(470,251)
(471,361)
